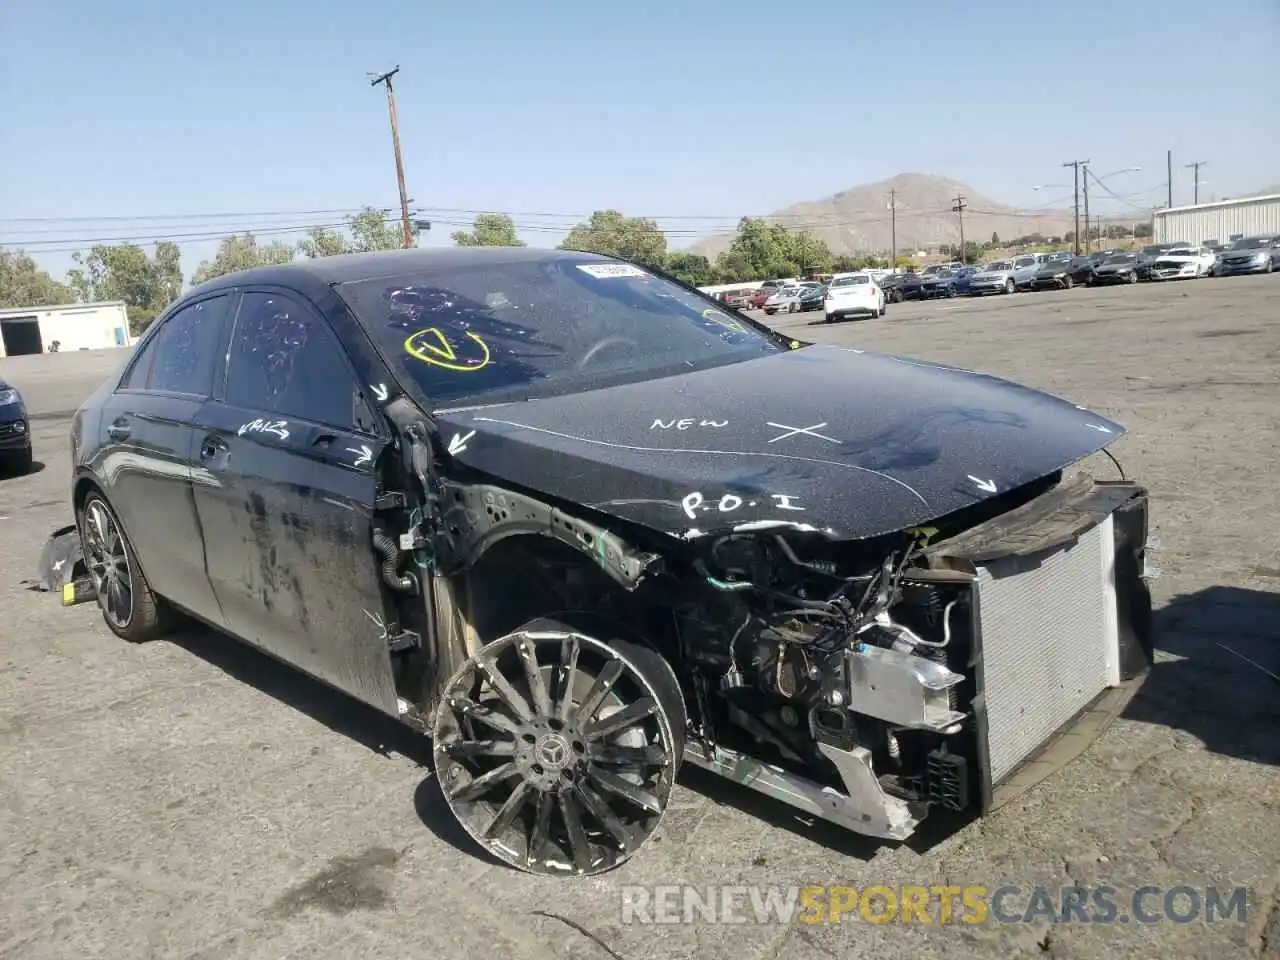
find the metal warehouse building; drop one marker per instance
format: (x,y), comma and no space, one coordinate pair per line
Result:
(1219,222)
(76,326)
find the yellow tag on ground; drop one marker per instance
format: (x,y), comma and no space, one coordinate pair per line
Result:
(68,594)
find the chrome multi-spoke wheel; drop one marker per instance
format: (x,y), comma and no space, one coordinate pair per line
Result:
(107,560)
(556,751)
(129,607)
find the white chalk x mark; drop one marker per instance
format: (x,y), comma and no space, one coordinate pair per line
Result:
(796,431)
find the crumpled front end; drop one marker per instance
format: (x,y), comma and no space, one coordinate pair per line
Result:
(968,670)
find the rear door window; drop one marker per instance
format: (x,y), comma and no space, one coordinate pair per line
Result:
(183,354)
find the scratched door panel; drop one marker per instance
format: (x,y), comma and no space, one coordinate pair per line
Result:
(148,476)
(287,511)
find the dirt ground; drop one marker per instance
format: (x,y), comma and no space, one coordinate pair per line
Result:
(194,799)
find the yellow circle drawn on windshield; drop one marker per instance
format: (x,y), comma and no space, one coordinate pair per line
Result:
(433,347)
(726,321)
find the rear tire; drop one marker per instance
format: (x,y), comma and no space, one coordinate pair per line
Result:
(129,607)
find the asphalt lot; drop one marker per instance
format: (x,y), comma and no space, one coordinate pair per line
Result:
(194,799)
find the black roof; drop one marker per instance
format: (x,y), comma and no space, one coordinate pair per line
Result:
(352,267)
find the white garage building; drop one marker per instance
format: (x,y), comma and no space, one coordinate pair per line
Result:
(1220,222)
(76,326)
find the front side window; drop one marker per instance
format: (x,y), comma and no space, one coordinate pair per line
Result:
(488,331)
(284,360)
(183,354)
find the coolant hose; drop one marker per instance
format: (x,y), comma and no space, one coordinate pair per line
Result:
(405,583)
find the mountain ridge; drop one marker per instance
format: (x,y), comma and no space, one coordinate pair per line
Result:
(858,219)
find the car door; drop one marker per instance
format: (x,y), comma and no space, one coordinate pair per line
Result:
(291,448)
(145,462)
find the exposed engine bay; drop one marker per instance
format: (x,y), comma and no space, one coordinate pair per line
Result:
(850,679)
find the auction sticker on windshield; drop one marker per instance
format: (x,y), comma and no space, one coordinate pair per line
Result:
(606,271)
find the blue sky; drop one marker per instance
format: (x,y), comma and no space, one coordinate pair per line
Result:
(166,111)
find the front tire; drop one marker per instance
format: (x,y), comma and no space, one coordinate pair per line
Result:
(129,607)
(557,751)
(1010,286)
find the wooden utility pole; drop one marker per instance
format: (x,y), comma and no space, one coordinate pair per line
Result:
(1195,169)
(1084,183)
(893,228)
(395,142)
(1076,165)
(957,207)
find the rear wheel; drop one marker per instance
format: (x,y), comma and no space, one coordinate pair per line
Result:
(1133,278)
(1067,282)
(556,751)
(130,609)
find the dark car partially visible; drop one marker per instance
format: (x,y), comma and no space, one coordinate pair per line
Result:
(1149,254)
(560,513)
(1062,273)
(1120,268)
(15,431)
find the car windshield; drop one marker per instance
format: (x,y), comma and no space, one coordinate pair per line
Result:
(998,265)
(1156,248)
(930,271)
(1025,262)
(856,280)
(1121,258)
(491,332)
(1251,243)
(1180,252)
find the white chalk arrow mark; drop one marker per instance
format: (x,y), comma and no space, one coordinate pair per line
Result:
(459,443)
(987,486)
(379,391)
(1099,427)
(363,455)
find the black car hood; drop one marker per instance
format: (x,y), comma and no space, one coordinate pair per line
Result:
(848,442)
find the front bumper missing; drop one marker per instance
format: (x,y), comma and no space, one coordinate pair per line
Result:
(1062,644)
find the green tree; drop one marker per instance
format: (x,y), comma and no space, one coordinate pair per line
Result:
(489,230)
(372,229)
(241,252)
(323,242)
(694,269)
(762,250)
(123,271)
(610,233)
(24,284)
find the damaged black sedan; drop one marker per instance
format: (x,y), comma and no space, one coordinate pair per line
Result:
(582,524)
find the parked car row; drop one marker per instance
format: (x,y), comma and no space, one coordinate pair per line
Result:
(868,293)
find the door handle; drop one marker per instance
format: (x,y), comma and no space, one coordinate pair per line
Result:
(324,441)
(211,447)
(119,430)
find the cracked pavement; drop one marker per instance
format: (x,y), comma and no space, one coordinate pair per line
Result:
(195,799)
